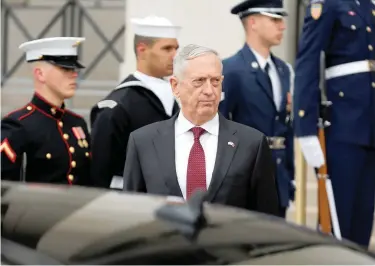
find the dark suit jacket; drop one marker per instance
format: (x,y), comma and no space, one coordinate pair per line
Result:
(243,175)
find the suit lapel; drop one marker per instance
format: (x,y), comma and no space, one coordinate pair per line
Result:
(253,65)
(226,148)
(164,144)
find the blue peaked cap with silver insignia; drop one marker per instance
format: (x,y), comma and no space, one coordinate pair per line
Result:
(271,8)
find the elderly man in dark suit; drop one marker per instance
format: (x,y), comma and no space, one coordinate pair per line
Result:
(200,149)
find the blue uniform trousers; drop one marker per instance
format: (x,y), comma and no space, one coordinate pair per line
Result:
(352,171)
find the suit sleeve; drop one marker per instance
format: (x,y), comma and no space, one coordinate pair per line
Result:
(264,194)
(109,135)
(13,145)
(313,41)
(133,177)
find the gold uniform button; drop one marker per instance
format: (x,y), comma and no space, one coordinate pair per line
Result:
(61,124)
(368,29)
(353,27)
(370,47)
(373,84)
(301,113)
(66,136)
(74,164)
(29,108)
(87,154)
(373,12)
(71,177)
(48,156)
(71,149)
(53,111)
(341,94)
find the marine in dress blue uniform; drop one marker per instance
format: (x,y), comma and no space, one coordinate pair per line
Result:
(43,142)
(345,31)
(255,97)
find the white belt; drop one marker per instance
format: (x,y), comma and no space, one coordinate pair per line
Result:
(350,68)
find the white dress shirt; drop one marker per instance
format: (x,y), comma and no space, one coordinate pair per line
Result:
(274,76)
(161,88)
(184,140)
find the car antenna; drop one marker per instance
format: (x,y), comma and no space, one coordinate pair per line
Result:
(187,218)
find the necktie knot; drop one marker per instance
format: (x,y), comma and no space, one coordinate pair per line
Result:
(197,131)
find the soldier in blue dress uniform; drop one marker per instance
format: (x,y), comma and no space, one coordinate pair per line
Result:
(257,86)
(344,31)
(43,141)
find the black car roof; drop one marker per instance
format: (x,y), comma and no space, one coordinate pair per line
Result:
(76,223)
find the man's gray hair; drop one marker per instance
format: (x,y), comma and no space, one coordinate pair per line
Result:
(187,53)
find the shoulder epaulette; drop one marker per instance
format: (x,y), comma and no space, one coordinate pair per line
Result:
(21,113)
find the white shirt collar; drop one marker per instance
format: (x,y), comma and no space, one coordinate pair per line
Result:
(160,87)
(148,79)
(183,125)
(261,60)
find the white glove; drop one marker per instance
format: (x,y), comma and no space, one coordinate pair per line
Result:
(312,151)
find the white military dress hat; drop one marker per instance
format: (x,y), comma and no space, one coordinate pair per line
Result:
(60,51)
(156,27)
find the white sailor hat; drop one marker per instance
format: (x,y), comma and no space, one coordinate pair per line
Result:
(156,27)
(271,8)
(61,51)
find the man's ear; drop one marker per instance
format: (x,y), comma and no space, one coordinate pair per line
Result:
(39,72)
(174,84)
(141,50)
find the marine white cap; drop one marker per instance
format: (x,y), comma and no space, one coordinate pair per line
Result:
(56,46)
(156,27)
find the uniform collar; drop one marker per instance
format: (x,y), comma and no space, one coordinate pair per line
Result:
(183,125)
(47,108)
(261,60)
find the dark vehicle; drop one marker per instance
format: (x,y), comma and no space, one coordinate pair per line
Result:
(56,224)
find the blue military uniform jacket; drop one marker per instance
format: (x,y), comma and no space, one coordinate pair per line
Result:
(56,143)
(248,100)
(352,113)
